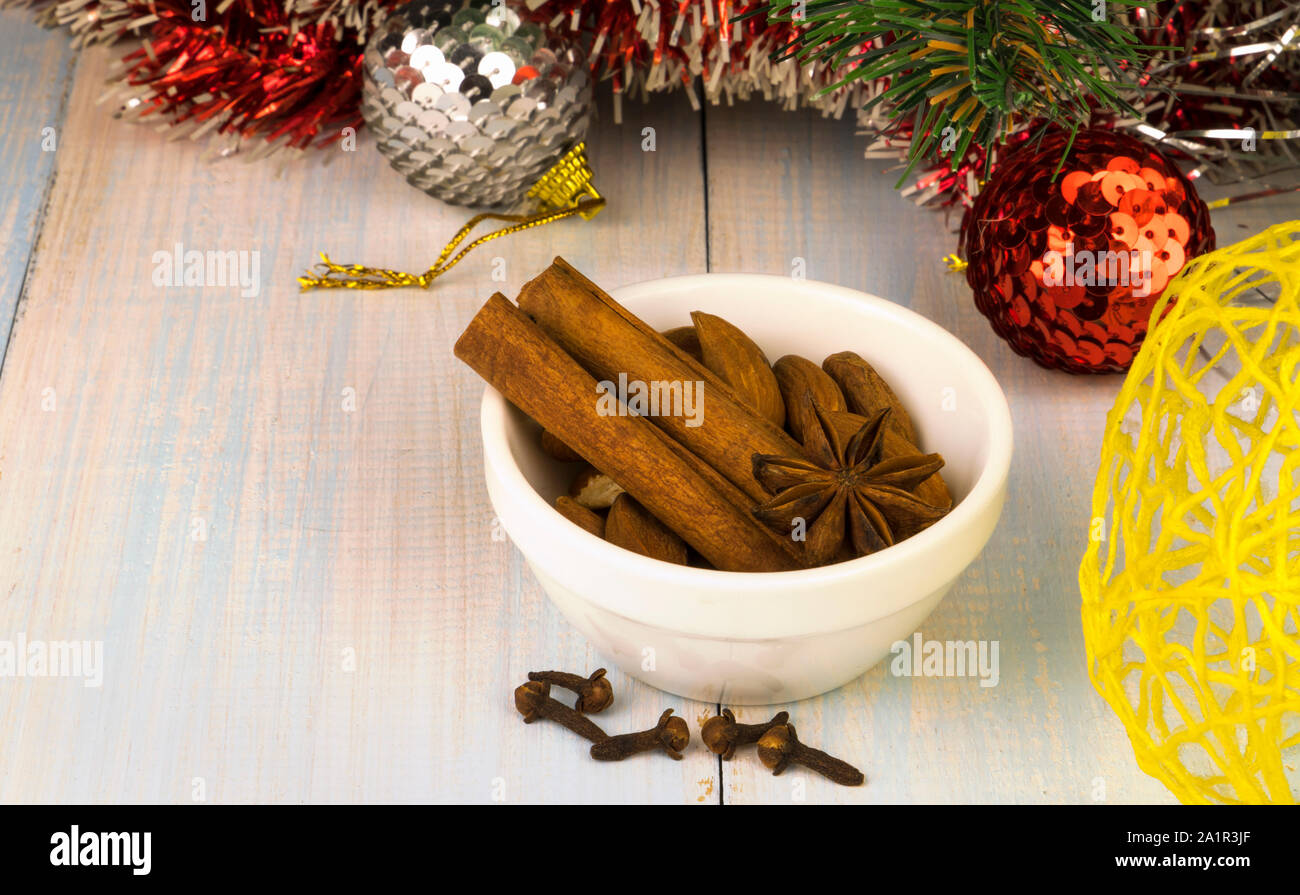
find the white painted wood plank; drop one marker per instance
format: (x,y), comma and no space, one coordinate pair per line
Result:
(330,532)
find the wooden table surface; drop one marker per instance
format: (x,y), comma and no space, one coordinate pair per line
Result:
(271,510)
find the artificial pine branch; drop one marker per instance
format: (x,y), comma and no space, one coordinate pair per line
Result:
(964,71)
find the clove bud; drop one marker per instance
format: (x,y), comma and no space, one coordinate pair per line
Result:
(594,693)
(780,746)
(722,734)
(533,700)
(671,734)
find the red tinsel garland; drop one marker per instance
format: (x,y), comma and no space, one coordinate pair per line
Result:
(252,70)
(648,46)
(247,72)
(286,73)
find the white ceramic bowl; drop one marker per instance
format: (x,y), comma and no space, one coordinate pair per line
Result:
(759,638)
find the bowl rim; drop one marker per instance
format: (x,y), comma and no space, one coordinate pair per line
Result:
(985,492)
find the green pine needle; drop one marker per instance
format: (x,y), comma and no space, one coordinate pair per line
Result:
(971,70)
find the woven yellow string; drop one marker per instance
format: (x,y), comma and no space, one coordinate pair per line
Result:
(1191,581)
(563,191)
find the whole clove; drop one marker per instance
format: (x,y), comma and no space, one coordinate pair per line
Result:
(780,746)
(533,700)
(722,733)
(595,694)
(671,734)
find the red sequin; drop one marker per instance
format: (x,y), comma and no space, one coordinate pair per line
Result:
(1120,222)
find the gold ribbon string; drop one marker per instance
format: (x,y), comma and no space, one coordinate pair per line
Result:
(556,195)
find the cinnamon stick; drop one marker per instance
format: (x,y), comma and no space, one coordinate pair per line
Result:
(609,340)
(533,372)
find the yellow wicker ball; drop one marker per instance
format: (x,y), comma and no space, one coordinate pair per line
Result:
(1191,580)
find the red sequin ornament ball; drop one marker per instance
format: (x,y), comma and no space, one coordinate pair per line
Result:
(1067,265)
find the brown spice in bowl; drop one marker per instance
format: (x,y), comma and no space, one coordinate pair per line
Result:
(793,465)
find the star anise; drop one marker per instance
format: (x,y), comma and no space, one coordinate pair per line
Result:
(849,494)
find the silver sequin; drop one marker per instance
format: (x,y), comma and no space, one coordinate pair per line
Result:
(456,107)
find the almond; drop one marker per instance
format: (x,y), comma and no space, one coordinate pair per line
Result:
(687,339)
(581,516)
(797,376)
(867,392)
(593,489)
(734,357)
(632,527)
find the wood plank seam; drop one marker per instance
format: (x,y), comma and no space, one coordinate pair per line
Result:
(708,266)
(38,225)
(704,164)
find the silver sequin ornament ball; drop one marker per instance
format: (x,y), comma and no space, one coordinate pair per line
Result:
(471,104)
